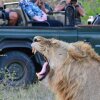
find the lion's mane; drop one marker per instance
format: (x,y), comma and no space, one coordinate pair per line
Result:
(69,80)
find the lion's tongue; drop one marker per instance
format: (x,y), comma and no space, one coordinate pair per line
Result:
(42,74)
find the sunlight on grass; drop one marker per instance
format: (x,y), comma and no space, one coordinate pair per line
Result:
(35,92)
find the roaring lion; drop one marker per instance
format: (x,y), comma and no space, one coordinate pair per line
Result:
(74,68)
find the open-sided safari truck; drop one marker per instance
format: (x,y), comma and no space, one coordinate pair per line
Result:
(18,66)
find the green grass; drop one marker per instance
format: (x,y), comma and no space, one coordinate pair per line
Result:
(92,7)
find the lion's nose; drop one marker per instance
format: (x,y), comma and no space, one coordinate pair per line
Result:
(32,45)
(35,40)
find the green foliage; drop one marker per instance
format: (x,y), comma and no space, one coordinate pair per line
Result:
(92,7)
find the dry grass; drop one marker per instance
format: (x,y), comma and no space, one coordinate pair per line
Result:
(36,92)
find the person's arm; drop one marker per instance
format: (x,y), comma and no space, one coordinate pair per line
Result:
(80,9)
(41,4)
(37,2)
(60,6)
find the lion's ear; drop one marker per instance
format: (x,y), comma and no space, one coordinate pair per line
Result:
(76,53)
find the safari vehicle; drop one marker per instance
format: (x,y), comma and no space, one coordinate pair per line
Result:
(18,66)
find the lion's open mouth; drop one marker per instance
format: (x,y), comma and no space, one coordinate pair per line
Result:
(45,68)
(44,71)
(33,50)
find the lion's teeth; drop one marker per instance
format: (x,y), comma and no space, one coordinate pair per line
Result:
(33,50)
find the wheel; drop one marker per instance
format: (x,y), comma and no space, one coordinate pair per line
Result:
(17,69)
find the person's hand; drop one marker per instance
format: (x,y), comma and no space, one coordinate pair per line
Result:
(40,3)
(68,1)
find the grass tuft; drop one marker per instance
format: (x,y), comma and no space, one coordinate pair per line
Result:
(33,92)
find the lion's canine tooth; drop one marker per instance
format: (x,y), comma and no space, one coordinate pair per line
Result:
(33,50)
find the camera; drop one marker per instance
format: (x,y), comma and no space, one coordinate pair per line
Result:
(3,17)
(2,13)
(1,8)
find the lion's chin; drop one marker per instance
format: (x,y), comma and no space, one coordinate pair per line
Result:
(43,73)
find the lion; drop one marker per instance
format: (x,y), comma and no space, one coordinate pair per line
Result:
(74,68)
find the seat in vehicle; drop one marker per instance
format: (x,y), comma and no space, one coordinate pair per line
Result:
(26,21)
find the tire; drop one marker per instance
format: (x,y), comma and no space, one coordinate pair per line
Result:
(17,69)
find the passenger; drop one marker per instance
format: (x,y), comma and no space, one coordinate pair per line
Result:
(79,11)
(11,16)
(43,5)
(35,13)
